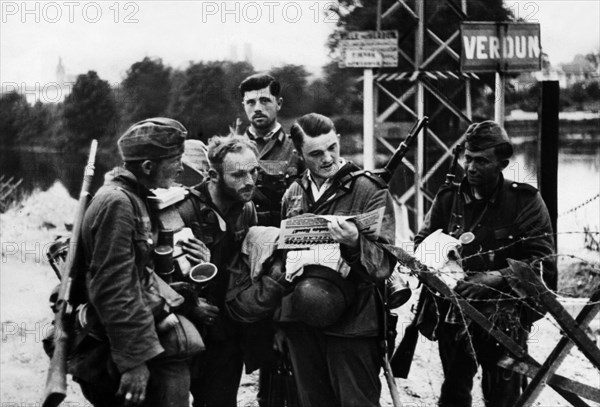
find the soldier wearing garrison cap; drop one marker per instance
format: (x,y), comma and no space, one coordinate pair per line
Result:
(495,219)
(133,354)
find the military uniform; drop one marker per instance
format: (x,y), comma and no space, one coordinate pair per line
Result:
(121,335)
(127,298)
(339,365)
(280,166)
(231,340)
(502,224)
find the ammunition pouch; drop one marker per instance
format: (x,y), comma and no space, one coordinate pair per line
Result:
(431,315)
(181,341)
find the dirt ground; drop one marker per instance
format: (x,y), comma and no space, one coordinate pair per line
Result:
(26,280)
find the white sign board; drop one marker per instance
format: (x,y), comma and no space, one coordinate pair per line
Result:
(369,49)
(501,46)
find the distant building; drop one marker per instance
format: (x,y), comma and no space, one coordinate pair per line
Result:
(63,86)
(567,74)
(579,70)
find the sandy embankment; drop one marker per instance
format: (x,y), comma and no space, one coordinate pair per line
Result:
(26,280)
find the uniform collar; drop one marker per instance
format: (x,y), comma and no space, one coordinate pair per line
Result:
(204,196)
(275,132)
(328,182)
(126,179)
(465,190)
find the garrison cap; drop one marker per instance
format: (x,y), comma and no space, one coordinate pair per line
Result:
(152,139)
(196,155)
(195,163)
(484,135)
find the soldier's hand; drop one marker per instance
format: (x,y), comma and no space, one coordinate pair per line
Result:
(279,341)
(275,268)
(344,232)
(195,250)
(133,385)
(481,285)
(206,312)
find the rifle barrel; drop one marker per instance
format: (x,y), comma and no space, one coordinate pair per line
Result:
(402,149)
(56,383)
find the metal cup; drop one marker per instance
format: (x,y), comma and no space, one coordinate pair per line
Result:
(163,262)
(398,291)
(203,272)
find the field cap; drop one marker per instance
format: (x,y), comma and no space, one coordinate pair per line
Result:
(151,139)
(195,163)
(484,135)
(196,155)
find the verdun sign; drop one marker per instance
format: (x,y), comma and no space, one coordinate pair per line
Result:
(500,47)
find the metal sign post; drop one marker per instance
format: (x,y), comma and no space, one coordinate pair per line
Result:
(369,49)
(368,121)
(499,99)
(500,47)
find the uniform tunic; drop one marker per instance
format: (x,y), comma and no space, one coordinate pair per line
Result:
(512,223)
(233,339)
(117,236)
(280,166)
(339,365)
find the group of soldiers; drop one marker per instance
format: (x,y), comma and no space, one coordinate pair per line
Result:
(152,344)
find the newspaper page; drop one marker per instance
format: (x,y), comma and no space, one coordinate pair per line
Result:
(309,230)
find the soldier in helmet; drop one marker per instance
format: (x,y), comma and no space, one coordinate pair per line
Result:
(491,216)
(132,356)
(334,347)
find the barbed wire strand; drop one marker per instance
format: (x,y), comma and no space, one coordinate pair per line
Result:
(581,205)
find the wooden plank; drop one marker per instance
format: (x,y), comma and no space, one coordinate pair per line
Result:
(532,285)
(558,354)
(434,282)
(529,370)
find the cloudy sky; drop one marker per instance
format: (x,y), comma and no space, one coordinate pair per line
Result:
(108,36)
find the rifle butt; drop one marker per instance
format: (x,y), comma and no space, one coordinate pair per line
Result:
(391,382)
(56,383)
(403,355)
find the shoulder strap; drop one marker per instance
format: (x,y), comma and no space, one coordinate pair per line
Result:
(140,210)
(456,207)
(343,181)
(370,175)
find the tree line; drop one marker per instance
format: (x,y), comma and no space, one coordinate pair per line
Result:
(204,97)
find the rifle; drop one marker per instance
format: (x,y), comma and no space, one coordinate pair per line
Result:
(388,171)
(451,174)
(403,355)
(56,383)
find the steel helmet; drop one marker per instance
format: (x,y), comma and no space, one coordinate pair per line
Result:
(321,296)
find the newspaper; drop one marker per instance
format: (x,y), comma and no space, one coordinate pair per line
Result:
(309,230)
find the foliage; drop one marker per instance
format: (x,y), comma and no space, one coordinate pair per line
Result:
(89,110)
(205,97)
(38,129)
(294,89)
(442,20)
(146,90)
(339,93)
(14,113)
(583,95)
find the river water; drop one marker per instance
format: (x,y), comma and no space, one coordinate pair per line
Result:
(578,171)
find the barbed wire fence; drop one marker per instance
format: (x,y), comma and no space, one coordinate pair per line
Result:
(558,322)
